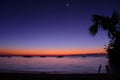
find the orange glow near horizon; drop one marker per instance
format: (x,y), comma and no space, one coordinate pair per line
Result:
(49,51)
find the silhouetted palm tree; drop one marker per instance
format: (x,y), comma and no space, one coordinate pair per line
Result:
(112,25)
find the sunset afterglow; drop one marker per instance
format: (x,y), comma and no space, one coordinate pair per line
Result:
(50,51)
(52,27)
(59,39)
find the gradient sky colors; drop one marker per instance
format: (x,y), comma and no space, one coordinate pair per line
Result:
(53,26)
(49,52)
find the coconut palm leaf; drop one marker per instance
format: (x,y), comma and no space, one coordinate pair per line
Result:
(106,23)
(115,18)
(93,29)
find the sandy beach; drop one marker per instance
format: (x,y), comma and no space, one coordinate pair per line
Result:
(44,76)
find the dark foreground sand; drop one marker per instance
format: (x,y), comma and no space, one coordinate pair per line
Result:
(36,76)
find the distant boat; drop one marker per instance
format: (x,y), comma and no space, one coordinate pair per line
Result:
(5,56)
(43,56)
(60,56)
(83,55)
(2,56)
(27,56)
(9,56)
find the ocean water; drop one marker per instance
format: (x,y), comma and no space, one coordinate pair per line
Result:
(52,65)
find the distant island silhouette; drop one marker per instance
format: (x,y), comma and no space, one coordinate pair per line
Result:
(58,56)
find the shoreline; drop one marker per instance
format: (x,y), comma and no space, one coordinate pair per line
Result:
(39,76)
(74,55)
(44,76)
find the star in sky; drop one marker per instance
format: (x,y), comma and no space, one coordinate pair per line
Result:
(67,4)
(52,24)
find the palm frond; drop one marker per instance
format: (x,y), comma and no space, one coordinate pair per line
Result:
(115,19)
(105,23)
(95,18)
(93,29)
(110,35)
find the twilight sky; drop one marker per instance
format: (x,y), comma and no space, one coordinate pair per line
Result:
(52,24)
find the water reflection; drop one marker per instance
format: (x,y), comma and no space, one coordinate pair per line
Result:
(53,64)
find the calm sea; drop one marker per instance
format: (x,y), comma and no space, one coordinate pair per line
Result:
(51,65)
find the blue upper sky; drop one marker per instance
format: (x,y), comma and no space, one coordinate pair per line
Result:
(52,24)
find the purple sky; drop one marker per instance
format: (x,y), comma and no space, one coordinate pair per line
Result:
(52,24)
